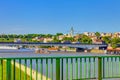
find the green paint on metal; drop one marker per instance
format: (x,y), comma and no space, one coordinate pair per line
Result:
(19,69)
(116,66)
(50,57)
(41,67)
(71,69)
(62,69)
(94,67)
(76,68)
(85,68)
(36,69)
(119,67)
(51,69)
(66,69)
(30,69)
(1,69)
(106,65)
(109,67)
(80,68)
(57,69)
(59,57)
(99,68)
(103,67)
(8,71)
(25,74)
(112,66)
(89,66)
(46,69)
(13,70)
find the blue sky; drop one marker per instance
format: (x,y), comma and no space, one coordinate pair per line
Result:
(52,16)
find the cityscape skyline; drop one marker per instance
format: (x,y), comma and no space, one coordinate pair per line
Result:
(24,17)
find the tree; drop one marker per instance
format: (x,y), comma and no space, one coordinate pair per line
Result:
(107,39)
(85,39)
(97,34)
(114,42)
(48,35)
(71,39)
(55,39)
(58,34)
(20,36)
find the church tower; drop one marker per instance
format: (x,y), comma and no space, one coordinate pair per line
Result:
(71,32)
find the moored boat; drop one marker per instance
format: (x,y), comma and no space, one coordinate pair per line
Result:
(8,47)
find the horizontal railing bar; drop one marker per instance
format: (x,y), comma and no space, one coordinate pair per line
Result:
(47,57)
(60,57)
(110,77)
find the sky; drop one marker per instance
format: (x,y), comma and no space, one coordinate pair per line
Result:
(53,16)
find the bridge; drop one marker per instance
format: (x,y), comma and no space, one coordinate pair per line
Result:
(76,45)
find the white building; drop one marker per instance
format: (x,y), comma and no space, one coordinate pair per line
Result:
(17,40)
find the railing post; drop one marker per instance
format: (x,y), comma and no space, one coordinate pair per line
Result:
(99,68)
(1,69)
(58,69)
(103,67)
(8,69)
(62,69)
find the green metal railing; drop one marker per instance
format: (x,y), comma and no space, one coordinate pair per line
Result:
(60,68)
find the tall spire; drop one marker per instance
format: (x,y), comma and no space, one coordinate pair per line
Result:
(72,31)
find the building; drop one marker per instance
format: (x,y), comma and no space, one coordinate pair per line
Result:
(17,40)
(38,39)
(61,37)
(116,34)
(89,33)
(47,40)
(98,41)
(106,34)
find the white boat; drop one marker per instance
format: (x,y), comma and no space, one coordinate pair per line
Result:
(8,47)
